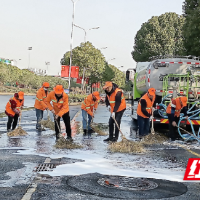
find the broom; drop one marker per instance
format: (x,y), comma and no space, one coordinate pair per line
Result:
(95,128)
(18,131)
(125,146)
(62,143)
(47,123)
(153,137)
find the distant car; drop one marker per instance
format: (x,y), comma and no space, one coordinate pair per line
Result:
(103,98)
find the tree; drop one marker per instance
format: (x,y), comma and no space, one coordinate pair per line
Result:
(108,73)
(119,78)
(161,35)
(86,55)
(191,28)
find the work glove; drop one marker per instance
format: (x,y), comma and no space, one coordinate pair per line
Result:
(108,108)
(53,111)
(16,111)
(153,109)
(113,115)
(150,118)
(174,123)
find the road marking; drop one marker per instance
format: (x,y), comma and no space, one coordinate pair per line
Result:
(29,192)
(192,152)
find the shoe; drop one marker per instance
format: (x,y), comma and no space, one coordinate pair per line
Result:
(108,140)
(70,139)
(114,139)
(9,130)
(84,132)
(41,129)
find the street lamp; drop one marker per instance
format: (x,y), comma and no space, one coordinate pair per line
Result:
(47,63)
(85,30)
(29,48)
(70,60)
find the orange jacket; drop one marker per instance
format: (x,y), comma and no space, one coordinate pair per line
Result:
(148,108)
(9,109)
(111,100)
(40,101)
(88,104)
(60,107)
(175,102)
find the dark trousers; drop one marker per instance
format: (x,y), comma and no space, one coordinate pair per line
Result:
(39,115)
(118,117)
(143,125)
(12,121)
(173,133)
(66,119)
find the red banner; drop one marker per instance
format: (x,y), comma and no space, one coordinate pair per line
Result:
(96,85)
(65,71)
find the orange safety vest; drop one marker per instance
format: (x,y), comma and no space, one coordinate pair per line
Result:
(111,100)
(148,107)
(178,107)
(40,101)
(60,107)
(18,106)
(88,104)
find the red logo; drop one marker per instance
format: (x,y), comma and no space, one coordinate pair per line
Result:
(192,171)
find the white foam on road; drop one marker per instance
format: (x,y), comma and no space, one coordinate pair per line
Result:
(95,163)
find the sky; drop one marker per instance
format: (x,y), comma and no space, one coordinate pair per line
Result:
(45,25)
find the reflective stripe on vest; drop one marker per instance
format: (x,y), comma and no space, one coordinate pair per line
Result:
(39,99)
(114,101)
(54,100)
(147,107)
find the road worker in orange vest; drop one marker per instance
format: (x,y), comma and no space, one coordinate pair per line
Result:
(13,109)
(144,112)
(60,109)
(173,112)
(116,104)
(88,107)
(40,104)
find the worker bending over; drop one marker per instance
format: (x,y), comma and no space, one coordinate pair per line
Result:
(173,113)
(144,112)
(60,109)
(40,104)
(88,107)
(116,104)
(13,110)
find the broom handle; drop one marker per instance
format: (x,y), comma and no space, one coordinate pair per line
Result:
(118,126)
(188,132)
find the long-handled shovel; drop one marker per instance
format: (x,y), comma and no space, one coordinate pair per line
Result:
(152,128)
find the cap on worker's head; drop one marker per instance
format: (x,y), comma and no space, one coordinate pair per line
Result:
(96,94)
(107,84)
(58,89)
(21,95)
(184,101)
(151,91)
(46,85)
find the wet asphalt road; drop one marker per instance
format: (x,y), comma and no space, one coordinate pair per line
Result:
(76,172)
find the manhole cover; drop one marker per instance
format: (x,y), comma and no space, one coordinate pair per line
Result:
(44,167)
(127,183)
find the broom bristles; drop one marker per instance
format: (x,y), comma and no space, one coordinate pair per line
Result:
(154,139)
(17,132)
(48,123)
(126,146)
(97,129)
(62,143)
